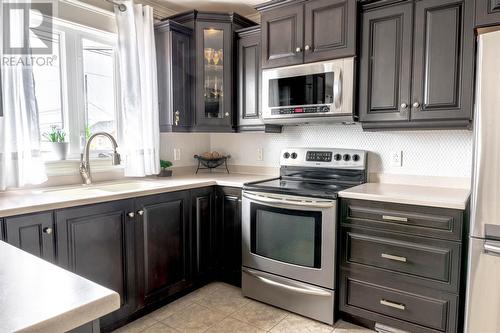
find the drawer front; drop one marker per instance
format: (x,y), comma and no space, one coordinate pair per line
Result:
(431,259)
(415,220)
(398,307)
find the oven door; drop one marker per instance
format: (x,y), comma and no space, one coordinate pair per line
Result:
(290,236)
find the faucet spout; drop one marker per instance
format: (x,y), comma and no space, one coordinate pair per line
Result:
(85,157)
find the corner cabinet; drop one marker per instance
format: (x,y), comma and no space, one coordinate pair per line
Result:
(175,76)
(249,82)
(296,32)
(487,13)
(416,64)
(97,242)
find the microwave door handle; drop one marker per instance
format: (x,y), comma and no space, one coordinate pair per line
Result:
(313,204)
(337,89)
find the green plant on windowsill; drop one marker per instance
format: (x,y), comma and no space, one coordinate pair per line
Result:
(57,139)
(164,169)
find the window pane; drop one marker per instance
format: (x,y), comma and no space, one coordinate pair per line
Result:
(100,110)
(47,75)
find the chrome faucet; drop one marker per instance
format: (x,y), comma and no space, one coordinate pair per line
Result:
(85,157)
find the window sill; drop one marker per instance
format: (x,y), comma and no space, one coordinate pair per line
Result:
(71,167)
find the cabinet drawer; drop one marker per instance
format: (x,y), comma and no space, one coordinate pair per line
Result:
(399,308)
(415,220)
(436,261)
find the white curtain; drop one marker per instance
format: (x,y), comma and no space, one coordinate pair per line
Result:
(20,159)
(139,131)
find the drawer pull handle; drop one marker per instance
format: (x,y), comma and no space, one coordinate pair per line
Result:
(392,257)
(392,304)
(394,218)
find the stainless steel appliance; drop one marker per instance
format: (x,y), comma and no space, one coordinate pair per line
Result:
(483,290)
(321,91)
(289,230)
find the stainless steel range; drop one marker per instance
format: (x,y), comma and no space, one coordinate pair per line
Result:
(289,230)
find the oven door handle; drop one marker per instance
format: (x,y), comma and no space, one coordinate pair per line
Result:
(303,290)
(268,200)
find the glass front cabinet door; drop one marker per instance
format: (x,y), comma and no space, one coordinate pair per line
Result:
(214,104)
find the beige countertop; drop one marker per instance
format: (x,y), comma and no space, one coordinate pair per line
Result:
(442,197)
(36,296)
(35,200)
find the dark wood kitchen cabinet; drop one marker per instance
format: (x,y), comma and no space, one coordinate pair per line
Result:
(228,234)
(296,32)
(203,206)
(487,12)
(249,82)
(97,242)
(214,54)
(175,76)
(33,233)
(402,265)
(163,245)
(416,64)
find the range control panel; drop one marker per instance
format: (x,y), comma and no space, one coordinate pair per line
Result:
(324,157)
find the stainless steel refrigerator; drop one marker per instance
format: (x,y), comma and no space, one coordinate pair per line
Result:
(483,285)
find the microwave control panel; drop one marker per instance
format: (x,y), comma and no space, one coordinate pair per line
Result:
(301,110)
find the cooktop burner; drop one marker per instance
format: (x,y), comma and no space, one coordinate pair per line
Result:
(315,172)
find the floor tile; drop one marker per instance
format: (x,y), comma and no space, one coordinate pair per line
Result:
(231,325)
(260,315)
(203,292)
(345,327)
(171,308)
(194,318)
(297,324)
(160,328)
(137,326)
(227,299)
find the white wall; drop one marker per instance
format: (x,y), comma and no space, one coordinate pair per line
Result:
(426,153)
(189,144)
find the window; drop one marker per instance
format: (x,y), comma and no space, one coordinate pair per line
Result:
(77,92)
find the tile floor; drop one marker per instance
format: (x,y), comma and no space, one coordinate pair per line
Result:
(220,308)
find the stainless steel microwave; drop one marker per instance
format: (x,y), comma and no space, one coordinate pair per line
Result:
(315,92)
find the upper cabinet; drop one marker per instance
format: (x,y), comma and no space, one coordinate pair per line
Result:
(487,12)
(417,74)
(296,32)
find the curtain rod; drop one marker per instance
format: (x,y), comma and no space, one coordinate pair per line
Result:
(121,7)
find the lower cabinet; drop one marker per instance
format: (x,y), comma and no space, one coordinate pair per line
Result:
(97,242)
(228,234)
(33,233)
(163,245)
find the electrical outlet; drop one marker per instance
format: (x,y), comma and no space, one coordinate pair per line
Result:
(260,154)
(397,158)
(177,154)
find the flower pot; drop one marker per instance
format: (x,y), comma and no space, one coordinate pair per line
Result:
(60,150)
(165,173)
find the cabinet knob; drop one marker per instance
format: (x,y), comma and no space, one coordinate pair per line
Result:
(131,214)
(47,231)
(298,50)
(416,104)
(226,114)
(307,47)
(177,117)
(140,212)
(404,106)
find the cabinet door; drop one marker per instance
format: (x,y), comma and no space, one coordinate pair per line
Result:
(32,233)
(487,12)
(214,72)
(174,62)
(385,64)
(97,242)
(443,60)
(228,235)
(330,29)
(203,217)
(283,36)
(163,243)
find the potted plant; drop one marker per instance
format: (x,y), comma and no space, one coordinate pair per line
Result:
(164,169)
(57,139)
